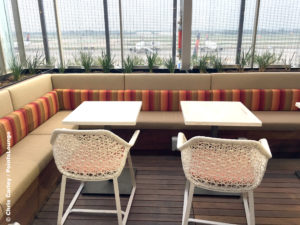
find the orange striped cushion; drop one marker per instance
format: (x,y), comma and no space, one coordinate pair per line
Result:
(164,100)
(41,110)
(260,99)
(69,99)
(16,124)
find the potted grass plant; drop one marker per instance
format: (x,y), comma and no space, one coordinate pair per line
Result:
(169,64)
(106,62)
(16,68)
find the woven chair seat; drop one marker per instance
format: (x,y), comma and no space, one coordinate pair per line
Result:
(88,165)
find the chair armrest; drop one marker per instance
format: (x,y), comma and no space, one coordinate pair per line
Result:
(266,147)
(134,137)
(181,139)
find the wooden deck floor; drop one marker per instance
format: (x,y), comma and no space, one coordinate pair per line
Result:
(159,198)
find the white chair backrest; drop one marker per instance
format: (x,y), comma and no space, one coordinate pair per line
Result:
(89,154)
(224,164)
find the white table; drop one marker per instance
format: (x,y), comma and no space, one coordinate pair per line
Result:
(218,113)
(106,113)
(298,171)
(215,114)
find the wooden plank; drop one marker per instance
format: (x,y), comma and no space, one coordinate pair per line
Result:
(159,198)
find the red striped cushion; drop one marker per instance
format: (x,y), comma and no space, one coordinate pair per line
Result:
(16,124)
(164,100)
(69,99)
(260,99)
(41,110)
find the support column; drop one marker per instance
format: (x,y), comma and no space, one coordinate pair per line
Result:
(58,34)
(254,32)
(19,33)
(240,35)
(44,30)
(186,33)
(106,27)
(174,31)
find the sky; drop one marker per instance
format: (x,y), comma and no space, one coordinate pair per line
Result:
(156,15)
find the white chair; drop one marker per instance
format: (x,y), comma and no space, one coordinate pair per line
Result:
(92,155)
(224,165)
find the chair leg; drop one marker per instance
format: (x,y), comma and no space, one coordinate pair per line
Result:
(251,206)
(118,202)
(248,200)
(131,170)
(61,200)
(188,198)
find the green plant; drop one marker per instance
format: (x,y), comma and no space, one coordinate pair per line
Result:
(61,68)
(287,63)
(265,60)
(244,60)
(203,64)
(128,64)
(34,62)
(106,62)
(216,63)
(152,60)
(86,60)
(16,68)
(137,61)
(170,64)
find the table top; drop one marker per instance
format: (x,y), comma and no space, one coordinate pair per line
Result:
(298,105)
(218,113)
(105,113)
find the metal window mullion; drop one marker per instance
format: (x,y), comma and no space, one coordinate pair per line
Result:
(3,69)
(44,30)
(121,33)
(61,56)
(106,27)
(186,33)
(240,34)
(18,29)
(174,31)
(254,32)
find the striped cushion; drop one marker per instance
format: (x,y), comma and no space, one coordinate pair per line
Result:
(69,99)
(169,100)
(260,99)
(41,110)
(164,100)
(16,124)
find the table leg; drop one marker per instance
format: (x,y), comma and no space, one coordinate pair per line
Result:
(297,172)
(107,188)
(214,131)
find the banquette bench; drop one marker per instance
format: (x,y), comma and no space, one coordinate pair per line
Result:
(32,109)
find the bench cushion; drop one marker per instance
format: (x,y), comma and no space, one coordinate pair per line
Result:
(29,90)
(41,110)
(69,99)
(5,103)
(256,80)
(53,123)
(166,81)
(94,81)
(280,120)
(14,125)
(28,158)
(165,100)
(20,122)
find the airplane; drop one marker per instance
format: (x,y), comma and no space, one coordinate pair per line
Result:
(145,47)
(211,46)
